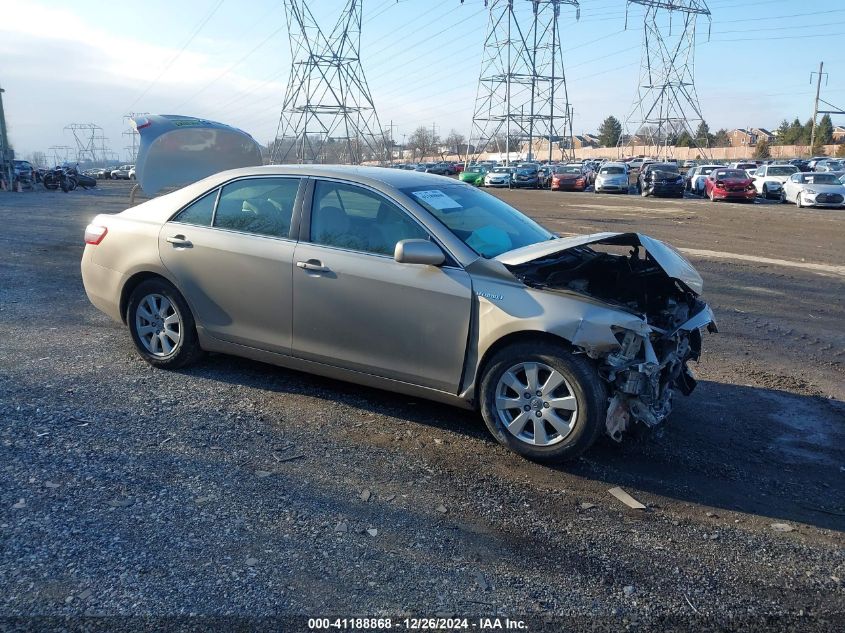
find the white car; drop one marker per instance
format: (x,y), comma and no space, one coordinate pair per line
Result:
(813,190)
(769,179)
(122,172)
(697,176)
(499,177)
(612,177)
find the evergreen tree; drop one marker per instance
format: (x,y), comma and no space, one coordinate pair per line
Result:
(824,130)
(703,136)
(762,149)
(782,132)
(610,131)
(685,140)
(721,139)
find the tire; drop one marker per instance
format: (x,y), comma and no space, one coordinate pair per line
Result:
(712,197)
(160,299)
(783,196)
(765,193)
(798,200)
(581,384)
(643,192)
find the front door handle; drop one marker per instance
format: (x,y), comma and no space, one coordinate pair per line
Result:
(314,265)
(179,241)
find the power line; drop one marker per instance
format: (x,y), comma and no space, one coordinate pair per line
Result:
(173,59)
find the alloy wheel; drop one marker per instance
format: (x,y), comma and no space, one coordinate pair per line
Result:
(158,325)
(536,404)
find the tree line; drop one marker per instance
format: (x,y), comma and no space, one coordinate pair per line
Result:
(787,133)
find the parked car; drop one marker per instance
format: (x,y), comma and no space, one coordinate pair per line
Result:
(729,184)
(569,178)
(612,178)
(474,175)
(769,179)
(412,283)
(499,177)
(694,180)
(526,176)
(122,172)
(744,166)
(813,189)
(829,165)
(441,168)
(23,172)
(132,173)
(661,179)
(102,173)
(815,160)
(801,164)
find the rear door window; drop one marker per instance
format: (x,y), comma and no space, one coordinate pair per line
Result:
(199,212)
(263,206)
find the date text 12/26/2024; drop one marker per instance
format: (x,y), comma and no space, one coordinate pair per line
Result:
(416,624)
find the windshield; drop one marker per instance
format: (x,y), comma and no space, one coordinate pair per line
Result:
(487,225)
(782,170)
(476,170)
(568,170)
(821,179)
(747,166)
(502,170)
(706,170)
(607,171)
(670,167)
(731,173)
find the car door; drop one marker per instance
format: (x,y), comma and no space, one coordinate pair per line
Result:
(231,255)
(356,307)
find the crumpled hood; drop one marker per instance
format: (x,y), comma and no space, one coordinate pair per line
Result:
(671,261)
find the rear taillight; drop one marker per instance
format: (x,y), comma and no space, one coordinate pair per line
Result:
(95,233)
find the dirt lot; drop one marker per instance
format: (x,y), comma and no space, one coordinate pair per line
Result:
(131,491)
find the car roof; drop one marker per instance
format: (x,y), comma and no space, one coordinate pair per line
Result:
(364,174)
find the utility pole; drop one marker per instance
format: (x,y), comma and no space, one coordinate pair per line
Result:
(816,105)
(6,155)
(433,138)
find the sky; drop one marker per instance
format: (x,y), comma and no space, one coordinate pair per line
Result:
(229,61)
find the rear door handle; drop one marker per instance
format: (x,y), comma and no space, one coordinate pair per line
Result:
(179,241)
(314,265)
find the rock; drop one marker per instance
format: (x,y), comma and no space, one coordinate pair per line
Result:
(51,485)
(372,531)
(124,502)
(587,506)
(85,594)
(343,527)
(628,590)
(251,562)
(782,527)
(202,500)
(441,509)
(482,581)
(20,504)
(261,474)
(389,497)
(712,515)
(365,495)
(438,441)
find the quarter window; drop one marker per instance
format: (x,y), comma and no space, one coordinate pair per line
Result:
(263,206)
(350,217)
(200,211)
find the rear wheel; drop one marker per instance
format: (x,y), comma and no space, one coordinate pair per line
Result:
(542,401)
(798,200)
(162,326)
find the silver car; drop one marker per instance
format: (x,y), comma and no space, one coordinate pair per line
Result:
(612,177)
(409,282)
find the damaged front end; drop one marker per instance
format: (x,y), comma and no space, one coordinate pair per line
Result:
(644,277)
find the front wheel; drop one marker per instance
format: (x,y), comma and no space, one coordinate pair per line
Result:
(162,326)
(542,401)
(798,200)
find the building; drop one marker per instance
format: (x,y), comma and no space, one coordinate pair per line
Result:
(763,134)
(740,137)
(839,134)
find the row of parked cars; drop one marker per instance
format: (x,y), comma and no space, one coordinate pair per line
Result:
(772,180)
(124,172)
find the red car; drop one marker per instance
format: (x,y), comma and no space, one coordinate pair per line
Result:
(729,184)
(569,177)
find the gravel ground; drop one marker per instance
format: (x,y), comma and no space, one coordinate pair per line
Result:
(238,488)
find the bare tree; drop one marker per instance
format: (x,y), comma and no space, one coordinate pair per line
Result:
(455,142)
(424,141)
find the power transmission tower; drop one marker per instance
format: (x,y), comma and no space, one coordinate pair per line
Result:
(6,154)
(132,133)
(666,104)
(522,94)
(328,114)
(85,135)
(61,153)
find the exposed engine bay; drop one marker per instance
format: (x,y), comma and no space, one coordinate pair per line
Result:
(643,372)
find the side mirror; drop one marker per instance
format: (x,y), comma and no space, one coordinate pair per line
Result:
(418,252)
